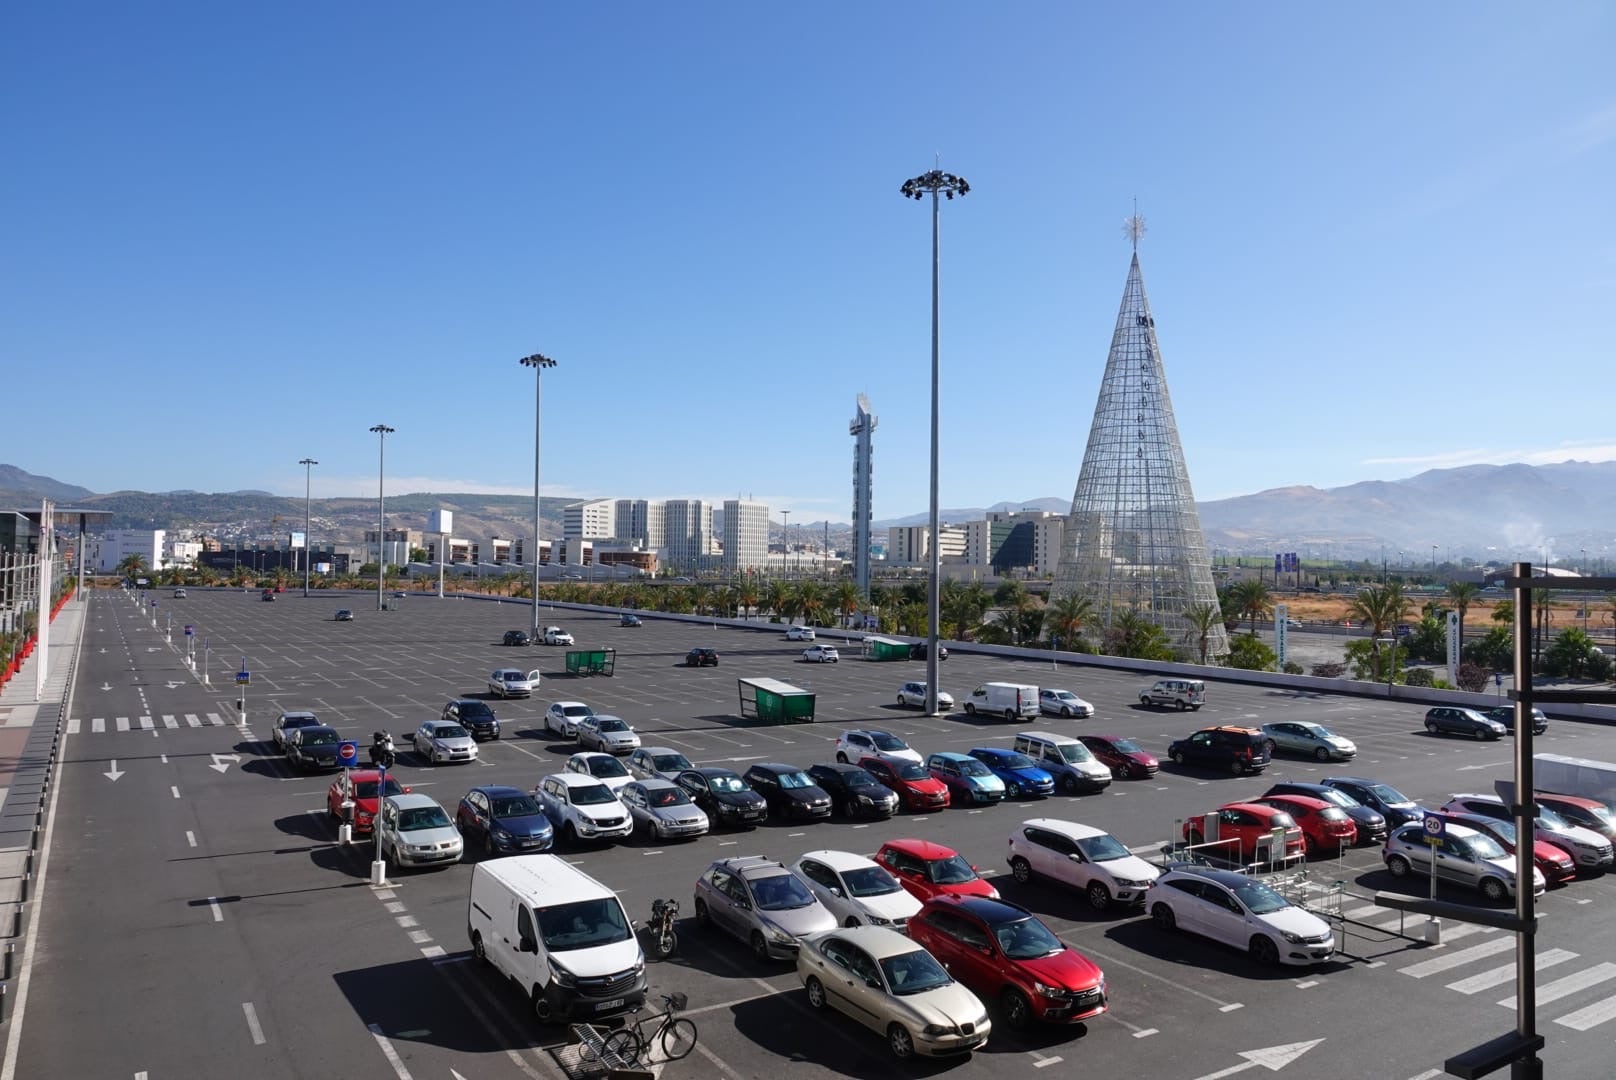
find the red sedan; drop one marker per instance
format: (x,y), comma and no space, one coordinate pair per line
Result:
(1122,756)
(1325,827)
(1241,826)
(917,789)
(926,870)
(359,785)
(1003,951)
(1556,866)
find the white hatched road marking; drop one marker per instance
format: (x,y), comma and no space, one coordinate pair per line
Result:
(215,719)
(193,720)
(146,723)
(1589,1016)
(1559,988)
(73,725)
(1456,959)
(1498,976)
(123,723)
(98,725)
(170,721)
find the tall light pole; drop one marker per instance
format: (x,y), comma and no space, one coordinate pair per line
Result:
(308,464)
(381,431)
(934,183)
(538,362)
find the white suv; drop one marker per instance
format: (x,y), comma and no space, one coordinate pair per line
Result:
(913,694)
(1587,847)
(1080,856)
(871,743)
(799,633)
(582,808)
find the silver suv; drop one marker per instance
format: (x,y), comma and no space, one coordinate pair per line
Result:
(1464,857)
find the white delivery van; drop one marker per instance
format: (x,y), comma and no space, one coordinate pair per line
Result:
(1009,700)
(559,934)
(1073,765)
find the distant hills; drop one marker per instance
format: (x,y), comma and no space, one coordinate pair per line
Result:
(1484,512)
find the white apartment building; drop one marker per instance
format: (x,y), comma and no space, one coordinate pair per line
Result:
(909,545)
(746,534)
(687,533)
(114,546)
(1047,536)
(639,521)
(590,520)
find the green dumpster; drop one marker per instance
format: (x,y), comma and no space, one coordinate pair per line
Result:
(591,661)
(776,702)
(885,648)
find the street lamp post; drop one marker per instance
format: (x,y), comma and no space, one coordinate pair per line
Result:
(538,362)
(381,431)
(934,183)
(308,480)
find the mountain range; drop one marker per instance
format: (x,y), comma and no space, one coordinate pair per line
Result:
(1484,512)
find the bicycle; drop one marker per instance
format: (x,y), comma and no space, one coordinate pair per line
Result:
(676,1034)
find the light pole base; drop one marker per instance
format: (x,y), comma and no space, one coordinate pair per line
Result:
(378,873)
(1433,931)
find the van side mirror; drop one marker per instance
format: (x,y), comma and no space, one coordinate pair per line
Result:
(527,944)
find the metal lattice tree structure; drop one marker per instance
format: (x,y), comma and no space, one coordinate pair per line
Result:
(1133,540)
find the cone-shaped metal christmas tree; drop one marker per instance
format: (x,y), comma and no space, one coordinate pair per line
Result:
(1133,542)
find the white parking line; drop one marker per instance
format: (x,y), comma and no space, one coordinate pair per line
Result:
(175,790)
(389,1053)
(218,912)
(190,838)
(252,1023)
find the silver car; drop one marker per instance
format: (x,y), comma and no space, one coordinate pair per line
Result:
(443,740)
(1309,739)
(761,902)
(1064,703)
(413,830)
(1463,855)
(662,810)
(608,733)
(650,762)
(893,986)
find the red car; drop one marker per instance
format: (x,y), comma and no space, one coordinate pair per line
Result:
(1325,827)
(1240,825)
(917,789)
(1122,756)
(1554,863)
(1003,951)
(926,870)
(360,786)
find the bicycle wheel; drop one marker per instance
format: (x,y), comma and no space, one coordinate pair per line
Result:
(625,1045)
(678,1038)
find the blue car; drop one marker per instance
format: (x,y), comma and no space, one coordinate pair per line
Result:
(504,820)
(969,782)
(1022,777)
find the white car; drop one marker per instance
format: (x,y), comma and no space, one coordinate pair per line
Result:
(414,830)
(554,635)
(1238,910)
(1081,857)
(563,718)
(820,654)
(873,743)
(513,682)
(443,740)
(1063,703)
(608,733)
(582,808)
(799,633)
(857,890)
(603,767)
(913,694)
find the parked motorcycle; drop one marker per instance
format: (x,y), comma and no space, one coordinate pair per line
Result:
(663,940)
(381,750)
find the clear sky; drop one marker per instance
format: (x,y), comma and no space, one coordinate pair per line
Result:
(1382,239)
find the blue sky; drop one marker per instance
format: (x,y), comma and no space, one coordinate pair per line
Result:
(237,235)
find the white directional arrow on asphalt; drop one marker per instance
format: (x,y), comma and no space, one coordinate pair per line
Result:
(153,648)
(106,686)
(222,762)
(103,648)
(1272,1058)
(172,684)
(114,772)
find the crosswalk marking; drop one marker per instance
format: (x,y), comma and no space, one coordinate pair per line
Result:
(123,723)
(215,719)
(1465,929)
(146,723)
(1589,1016)
(1498,976)
(1358,913)
(1455,959)
(73,725)
(170,721)
(98,725)
(193,720)
(1559,988)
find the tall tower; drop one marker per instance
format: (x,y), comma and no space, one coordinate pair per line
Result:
(862,427)
(1133,540)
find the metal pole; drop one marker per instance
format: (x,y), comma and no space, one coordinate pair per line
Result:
(308,479)
(935,566)
(1525,820)
(382,431)
(538,362)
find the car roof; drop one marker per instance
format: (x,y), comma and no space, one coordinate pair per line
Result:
(1260,809)
(950,755)
(867,731)
(1102,738)
(710,771)
(1308,801)
(498,791)
(878,941)
(586,754)
(839,860)
(773,767)
(922,849)
(318,727)
(412,801)
(840,767)
(565,704)
(1453,828)
(1476,795)
(299,714)
(465,701)
(572,779)
(985,908)
(753,866)
(656,783)
(1300,784)
(1232,879)
(1574,800)
(360,776)
(1065,828)
(659,750)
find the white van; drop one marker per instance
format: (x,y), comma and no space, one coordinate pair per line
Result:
(559,934)
(1009,700)
(1073,765)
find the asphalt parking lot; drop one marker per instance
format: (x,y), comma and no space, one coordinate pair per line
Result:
(201,916)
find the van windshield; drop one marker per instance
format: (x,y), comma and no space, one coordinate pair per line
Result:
(1074,753)
(583,924)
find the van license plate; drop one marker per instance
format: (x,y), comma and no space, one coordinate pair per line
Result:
(615,1003)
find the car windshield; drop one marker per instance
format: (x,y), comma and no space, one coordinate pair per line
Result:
(1074,752)
(1333,813)
(577,710)
(422,817)
(471,709)
(726,782)
(319,738)
(611,724)
(450,731)
(1320,730)
(913,973)
(1602,813)
(909,770)
(670,796)
(950,871)
(1259,898)
(1281,820)
(516,806)
(591,794)
(1125,746)
(583,924)
(1102,848)
(1548,817)
(1485,847)
(972,767)
(858,778)
(1388,794)
(795,780)
(366,789)
(670,762)
(606,766)
(299,721)
(1014,761)
(870,881)
(883,741)
(780,892)
(1025,939)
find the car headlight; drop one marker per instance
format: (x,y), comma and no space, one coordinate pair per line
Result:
(1048,991)
(502,835)
(780,935)
(1126,884)
(561,976)
(876,920)
(936,1031)
(1293,938)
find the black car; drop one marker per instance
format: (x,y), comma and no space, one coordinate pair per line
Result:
(917,651)
(701,658)
(627,619)
(1460,721)
(726,797)
(1398,809)
(473,715)
(343,615)
(313,748)
(503,820)
(789,791)
(1505,714)
(516,637)
(1371,823)
(853,791)
(1232,749)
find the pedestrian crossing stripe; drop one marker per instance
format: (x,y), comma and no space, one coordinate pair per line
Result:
(215,719)
(1559,988)
(146,723)
(1442,963)
(1498,976)
(123,723)
(97,726)
(73,725)
(1589,1016)
(192,719)
(170,721)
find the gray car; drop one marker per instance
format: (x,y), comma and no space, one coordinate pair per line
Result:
(761,902)
(1308,739)
(443,740)
(649,762)
(413,830)
(608,733)
(662,811)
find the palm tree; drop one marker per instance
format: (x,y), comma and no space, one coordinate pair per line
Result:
(1202,618)
(775,596)
(132,566)
(811,602)
(746,594)
(846,600)
(1066,617)
(1379,607)
(1250,598)
(1462,594)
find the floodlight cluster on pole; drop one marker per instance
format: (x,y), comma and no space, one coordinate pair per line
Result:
(538,362)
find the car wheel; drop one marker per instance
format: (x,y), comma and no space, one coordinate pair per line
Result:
(841,757)
(488,843)
(1321,754)
(1068,784)
(478,950)
(1270,746)
(1163,917)
(1010,715)
(1480,734)
(1177,756)
(1065,712)
(901,1042)
(704,918)
(760,947)
(901,701)
(1099,896)
(1237,766)
(1021,870)
(1264,951)
(852,921)
(1182,706)
(1144,699)
(1430,726)
(970,710)
(1494,890)
(1398,866)
(816,993)
(570,834)
(543,1011)
(1017,1009)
